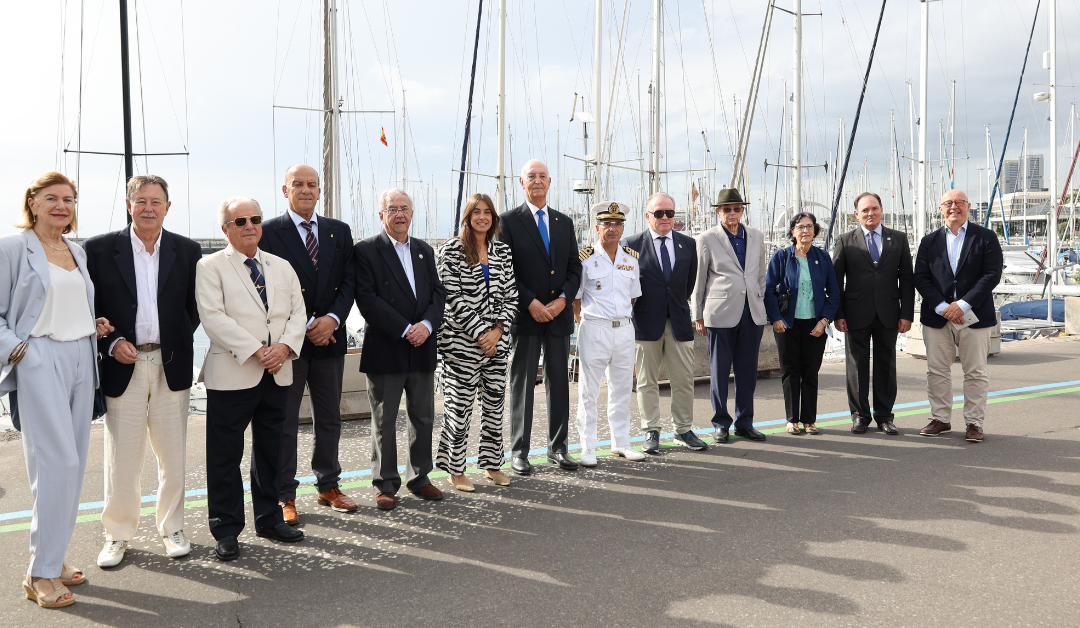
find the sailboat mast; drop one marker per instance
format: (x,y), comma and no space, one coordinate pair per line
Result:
(331,113)
(654,105)
(500,154)
(796,106)
(924,49)
(1051,218)
(125,82)
(598,60)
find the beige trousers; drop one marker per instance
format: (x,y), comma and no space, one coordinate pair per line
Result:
(678,357)
(147,406)
(941,346)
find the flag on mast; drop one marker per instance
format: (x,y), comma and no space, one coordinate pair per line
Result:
(693,188)
(383,138)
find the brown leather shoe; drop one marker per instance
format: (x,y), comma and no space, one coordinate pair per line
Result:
(337,500)
(385,501)
(428,491)
(974,434)
(288,510)
(936,427)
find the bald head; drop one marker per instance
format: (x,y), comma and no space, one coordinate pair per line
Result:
(535,180)
(954,209)
(302,189)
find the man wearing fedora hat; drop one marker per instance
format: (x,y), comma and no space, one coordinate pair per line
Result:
(603,308)
(729,308)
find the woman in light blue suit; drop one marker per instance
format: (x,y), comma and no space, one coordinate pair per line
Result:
(47,330)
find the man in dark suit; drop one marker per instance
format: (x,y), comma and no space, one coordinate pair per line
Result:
(401,299)
(873,268)
(956,270)
(662,326)
(548,272)
(320,250)
(144,279)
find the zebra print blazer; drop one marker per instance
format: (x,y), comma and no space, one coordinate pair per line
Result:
(471,307)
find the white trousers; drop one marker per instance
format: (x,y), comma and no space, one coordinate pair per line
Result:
(603,348)
(56,404)
(146,407)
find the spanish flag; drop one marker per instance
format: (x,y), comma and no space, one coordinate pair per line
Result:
(693,188)
(383,138)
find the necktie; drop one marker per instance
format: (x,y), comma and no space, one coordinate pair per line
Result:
(665,259)
(875,254)
(257,279)
(543,230)
(311,244)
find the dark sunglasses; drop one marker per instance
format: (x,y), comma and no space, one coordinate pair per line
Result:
(664,213)
(731,210)
(242,220)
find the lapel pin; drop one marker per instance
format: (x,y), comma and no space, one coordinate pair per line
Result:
(421,256)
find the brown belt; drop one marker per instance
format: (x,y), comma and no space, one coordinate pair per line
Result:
(148,347)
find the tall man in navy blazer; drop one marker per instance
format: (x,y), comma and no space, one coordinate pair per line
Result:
(401,299)
(320,250)
(548,273)
(956,270)
(662,326)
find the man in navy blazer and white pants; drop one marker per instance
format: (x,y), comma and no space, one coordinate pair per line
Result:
(662,326)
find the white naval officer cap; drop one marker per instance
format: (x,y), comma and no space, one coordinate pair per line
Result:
(610,210)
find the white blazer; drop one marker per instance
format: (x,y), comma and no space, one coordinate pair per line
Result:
(723,285)
(24,282)
(237,322)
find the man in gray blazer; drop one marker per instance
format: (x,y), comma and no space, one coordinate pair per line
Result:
(729,307)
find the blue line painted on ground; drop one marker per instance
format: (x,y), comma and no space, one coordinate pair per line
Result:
(199,492)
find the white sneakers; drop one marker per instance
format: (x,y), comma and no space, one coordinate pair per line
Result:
(629,453)
(588,458)
(112,553)
(176,545)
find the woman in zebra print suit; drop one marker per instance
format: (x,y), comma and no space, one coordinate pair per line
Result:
(481,300)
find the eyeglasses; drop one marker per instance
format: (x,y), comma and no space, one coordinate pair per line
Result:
(664,213)
(155,361)
(948,204)
(243,220)
(803,228)
(392,211)
(732,210)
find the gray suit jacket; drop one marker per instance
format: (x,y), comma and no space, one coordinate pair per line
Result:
(24,282)
(723,285)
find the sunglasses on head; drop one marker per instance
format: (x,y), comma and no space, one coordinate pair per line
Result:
(242,220)
(664,213)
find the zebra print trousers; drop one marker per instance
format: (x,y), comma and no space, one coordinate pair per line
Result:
(461,382)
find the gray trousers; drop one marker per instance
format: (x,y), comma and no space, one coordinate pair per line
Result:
(524,360)
(323,379)
(56,401)
(384,393)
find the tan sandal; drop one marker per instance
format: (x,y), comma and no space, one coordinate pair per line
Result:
(58,598)
(462,483)
(72,576)
(497,477)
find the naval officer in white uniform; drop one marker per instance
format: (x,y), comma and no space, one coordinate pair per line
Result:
(605,302)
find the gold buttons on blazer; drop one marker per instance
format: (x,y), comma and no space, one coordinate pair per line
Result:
(552,272)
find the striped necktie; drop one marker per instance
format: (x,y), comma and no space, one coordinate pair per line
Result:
(311,244)
(257,279)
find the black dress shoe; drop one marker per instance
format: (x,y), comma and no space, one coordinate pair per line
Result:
(521,466)
(652,443)
(750,434)
(227,549)
(887,427)
(562,459)
(721,435)
(281,532)
(691,440)
(858,426)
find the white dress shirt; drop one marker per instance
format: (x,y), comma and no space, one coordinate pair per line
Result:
(954,244)
(65,315)
(404,253)
(670,244)
(147,323)
(297,219)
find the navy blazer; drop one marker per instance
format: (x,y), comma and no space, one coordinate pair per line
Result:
(661,300)
(822,276)
(977,274)
(539,275)
(389,307)
(328,290)
(111,264)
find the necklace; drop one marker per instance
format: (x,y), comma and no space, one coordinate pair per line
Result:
(55,248)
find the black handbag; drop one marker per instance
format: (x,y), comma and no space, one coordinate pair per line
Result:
(99,403)
(783,297)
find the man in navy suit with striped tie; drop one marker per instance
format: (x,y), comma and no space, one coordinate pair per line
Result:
(320,250)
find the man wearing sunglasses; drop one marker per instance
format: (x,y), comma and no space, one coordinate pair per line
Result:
(254,314)
(729,307)
(662,327)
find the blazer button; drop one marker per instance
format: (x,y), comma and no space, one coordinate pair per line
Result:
(135,306)
(303,290)
(386,283)
(552,272)
(391,300)
(264,343)
(268,321)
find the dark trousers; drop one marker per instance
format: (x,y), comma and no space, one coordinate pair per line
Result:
(800,361)
(323,379)
(857,347)
(734,347)
(524,360)
(228,413)
(384,393)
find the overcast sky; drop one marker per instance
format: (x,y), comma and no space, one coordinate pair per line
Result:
(206,76)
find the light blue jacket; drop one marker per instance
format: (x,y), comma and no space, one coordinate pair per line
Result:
(24,282)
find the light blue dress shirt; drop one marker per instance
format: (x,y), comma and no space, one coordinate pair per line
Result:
(954,244)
